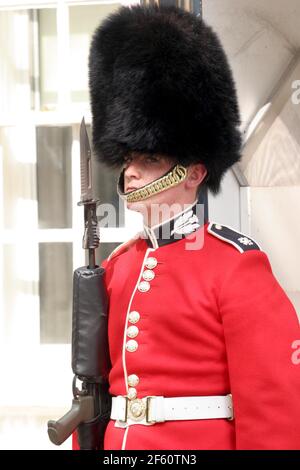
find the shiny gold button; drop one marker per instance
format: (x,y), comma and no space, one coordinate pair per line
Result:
(133,380)
(148,275)
(131,345)
(134,317)
(144,286)
(132,393)
(151,262)
(132,331)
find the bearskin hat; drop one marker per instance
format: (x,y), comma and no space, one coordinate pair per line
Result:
(160,83)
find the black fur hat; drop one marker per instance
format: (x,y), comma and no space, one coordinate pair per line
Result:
(160,83)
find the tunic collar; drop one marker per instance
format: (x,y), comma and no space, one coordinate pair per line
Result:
(177,227)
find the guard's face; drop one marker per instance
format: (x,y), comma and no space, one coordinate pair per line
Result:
(142,169)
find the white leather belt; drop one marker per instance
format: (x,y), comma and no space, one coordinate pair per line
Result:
(151,410)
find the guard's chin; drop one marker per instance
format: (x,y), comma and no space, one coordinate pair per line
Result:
(134,206)
(139,206)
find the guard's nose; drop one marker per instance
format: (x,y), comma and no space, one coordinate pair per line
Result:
(132,174)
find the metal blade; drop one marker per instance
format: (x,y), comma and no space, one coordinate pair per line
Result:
(85,164)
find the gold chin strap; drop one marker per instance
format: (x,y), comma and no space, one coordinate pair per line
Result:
(175,176)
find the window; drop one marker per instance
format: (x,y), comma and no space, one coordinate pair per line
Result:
(44,95)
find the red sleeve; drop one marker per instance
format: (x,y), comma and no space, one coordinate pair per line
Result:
(261,330)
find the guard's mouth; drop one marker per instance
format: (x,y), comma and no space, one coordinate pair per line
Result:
(130,188)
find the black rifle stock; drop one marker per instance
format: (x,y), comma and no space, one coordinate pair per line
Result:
(90,409)
(91,405)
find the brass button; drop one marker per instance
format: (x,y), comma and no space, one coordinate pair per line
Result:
(143,286)
(132,331)
(134,317)
(132,393)
(131,345)
(151,263)
(133,380)
(148,275)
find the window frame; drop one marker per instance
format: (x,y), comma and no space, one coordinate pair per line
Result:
(68,116)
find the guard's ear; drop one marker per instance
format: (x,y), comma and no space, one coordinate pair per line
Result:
(196,174)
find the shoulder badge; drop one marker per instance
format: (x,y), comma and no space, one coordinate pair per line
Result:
(240,241)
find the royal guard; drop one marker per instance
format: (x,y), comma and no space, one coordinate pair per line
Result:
(202,338)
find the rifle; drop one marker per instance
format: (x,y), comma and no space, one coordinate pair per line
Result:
(91,405)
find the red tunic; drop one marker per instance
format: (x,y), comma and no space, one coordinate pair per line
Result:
(213,321)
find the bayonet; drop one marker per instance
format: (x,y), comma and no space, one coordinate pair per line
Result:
(85,165)
(90,239)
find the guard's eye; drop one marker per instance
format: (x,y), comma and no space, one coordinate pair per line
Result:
(145,158)
(151,158)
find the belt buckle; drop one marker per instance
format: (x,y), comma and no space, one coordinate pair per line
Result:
(138,409)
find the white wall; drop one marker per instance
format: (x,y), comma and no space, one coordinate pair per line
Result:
(262,41)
